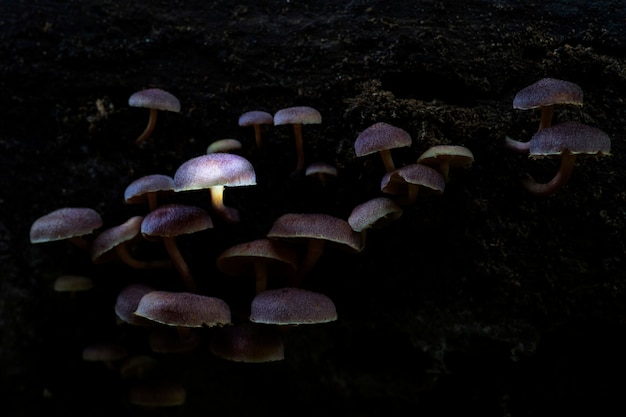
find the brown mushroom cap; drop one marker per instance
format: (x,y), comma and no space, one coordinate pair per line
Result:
(248,342)
(427,178)
(216,169)
(65,223)
(547,92)
(256,117)
(183,309)
(139,191)
(292,306)
(573,137)
(297,115)
(155,98)
(72,283)
(173,220)
(374,213)
(380,136)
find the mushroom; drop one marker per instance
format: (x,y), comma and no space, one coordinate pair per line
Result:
(444,157)
(298,116)
(215,172)
(315,230)
(127,301)
(170,221)
(544,94)
(154,99)
(410,179)
(373,214)
(566,140)
(72,284)
(148,188)
(248,342)
(224,145)
(292,306)
(381,137)
(71,223)
(322,171)
(256,118)
(117,240)
(259,258)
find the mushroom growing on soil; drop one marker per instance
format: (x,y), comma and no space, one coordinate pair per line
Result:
(567,141)
(170,221)
(316,230)
(148,188)
(298,116)
(412,179)
(544,94)
(256,118)
(292,306)
(381,137)
(214,172)
(154,99)
(71,223)
(444,157)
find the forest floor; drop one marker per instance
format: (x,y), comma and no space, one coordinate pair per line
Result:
(485,299)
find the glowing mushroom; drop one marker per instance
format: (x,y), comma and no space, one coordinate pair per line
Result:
(153,99)
(148,189)
(298,116)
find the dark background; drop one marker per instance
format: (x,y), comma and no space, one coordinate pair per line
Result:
(483,300)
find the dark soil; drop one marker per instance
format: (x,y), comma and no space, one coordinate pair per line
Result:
(484,300)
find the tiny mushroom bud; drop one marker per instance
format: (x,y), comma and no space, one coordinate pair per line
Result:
(214,172)
(71,223)
(410,179)
(444,157)
(298,116)
(381,137)
(256,118)
(566,140)
(154,99)
(148,188)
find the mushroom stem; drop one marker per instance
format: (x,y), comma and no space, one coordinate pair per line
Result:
(228,214)
(260,273)
(80,242)
(149,128)
(257,135)
(314,251)
(557,182)
(130,260)
(385,155)
(179,262)
(546,117)
(516,145)
(297,130)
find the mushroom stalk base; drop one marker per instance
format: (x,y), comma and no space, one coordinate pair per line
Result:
(557,182)
(149,128)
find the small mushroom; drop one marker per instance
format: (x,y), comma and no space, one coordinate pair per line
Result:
(256,118)
(444,157)
(73,284)
(148,188)
(224,145)
(567,141)
(214,172)
(71,223)
(381,137)
(154,99)
(292,306)
(412,179)
(170,221)
(373,214)
(298,116)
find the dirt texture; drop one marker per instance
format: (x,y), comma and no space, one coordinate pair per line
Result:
(485,299)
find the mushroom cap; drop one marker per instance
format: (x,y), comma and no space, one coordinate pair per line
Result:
(215,169)
(291,306)
(174,220)
(546,92)
(239,260)
(256,117)
(65,223)
(380,136)
(155,98)
(395,182)
(321,168)
(127,301)
(224,145)
(457,156)
(248,342)
(573,137)
(71,283)
(374,213)
(157,394)
(297,115)
(137,191)
(304,226)
(183,309)
(108,239)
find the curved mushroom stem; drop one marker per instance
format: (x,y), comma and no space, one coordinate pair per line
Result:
(546,117)
(297,130)
(314,251)
(179,262)
(516,145)
(130,260)
(228,214)
(149,128)
(557,182)
(385,155)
